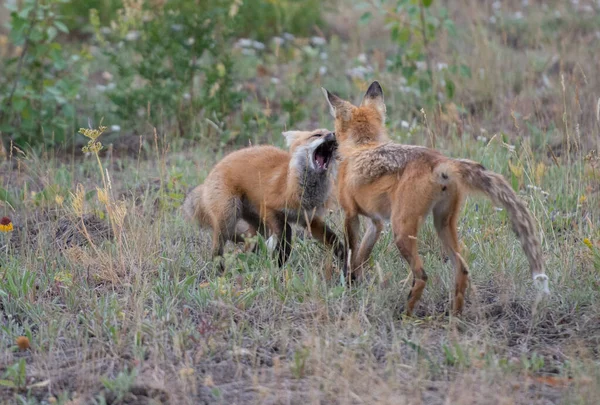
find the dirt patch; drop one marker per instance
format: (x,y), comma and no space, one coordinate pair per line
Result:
(61,230)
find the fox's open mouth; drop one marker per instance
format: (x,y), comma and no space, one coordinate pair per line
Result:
(324,153)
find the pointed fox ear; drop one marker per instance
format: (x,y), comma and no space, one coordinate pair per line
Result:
(374,98)
(291,136)
(337,106)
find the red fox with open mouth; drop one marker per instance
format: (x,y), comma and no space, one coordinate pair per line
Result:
(269,189)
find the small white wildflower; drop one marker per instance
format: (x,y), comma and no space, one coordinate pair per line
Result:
(497,5)
(176,27)
(186,96)
(107,76)
(190,41)
(492,20)
(442,66)
(482,139)
(405,124)
(248,52)
(244,43)
(288,37)
(278,40)
(546,81)
(518,15)
(115,128)
(421,65)
(318,41)
(323,56)
(389,63)
(322,70)
(362,58)
(359,71)
(101,88)
(105,30)
(77,97)
(111,86)
(511,147)
(275,80)
(403,80)
(132,35)
(258,45)
(310,51)
(498,209)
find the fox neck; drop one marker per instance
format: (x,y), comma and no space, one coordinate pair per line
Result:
(309,187)
(363,137)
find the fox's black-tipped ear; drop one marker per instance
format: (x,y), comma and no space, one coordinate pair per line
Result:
(374,98)
(337,106)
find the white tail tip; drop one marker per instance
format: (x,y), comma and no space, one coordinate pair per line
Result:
(542,281)
(271,243)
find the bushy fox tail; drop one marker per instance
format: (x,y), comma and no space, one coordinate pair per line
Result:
(476,178)
(193,207)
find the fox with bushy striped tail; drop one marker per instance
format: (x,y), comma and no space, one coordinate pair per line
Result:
(385,181)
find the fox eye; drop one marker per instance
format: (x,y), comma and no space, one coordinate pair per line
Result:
(316,135)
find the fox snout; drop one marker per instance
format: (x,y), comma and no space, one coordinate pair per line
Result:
(330,137)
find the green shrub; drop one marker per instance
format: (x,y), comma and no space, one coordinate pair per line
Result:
(263,19)
(39,86)
(171,62)
(415,27)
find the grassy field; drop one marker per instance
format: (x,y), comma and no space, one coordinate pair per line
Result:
(120,302)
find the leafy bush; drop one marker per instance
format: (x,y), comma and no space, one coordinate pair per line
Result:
(156,63)
(169,61)
(41,84)
(262,19)
(415,28)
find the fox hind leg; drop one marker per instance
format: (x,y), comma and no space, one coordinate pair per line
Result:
(282,230)
(406,241)
(445,219)
(406,218)
(224,225)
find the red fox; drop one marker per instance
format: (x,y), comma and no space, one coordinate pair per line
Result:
(266,188)
(385,181)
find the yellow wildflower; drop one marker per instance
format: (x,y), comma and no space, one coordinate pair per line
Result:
(588,243)
(6,224)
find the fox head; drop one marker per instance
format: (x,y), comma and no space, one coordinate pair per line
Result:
(359,125)
(312,150)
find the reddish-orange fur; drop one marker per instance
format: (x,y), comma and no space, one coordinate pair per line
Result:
(385,181)
(262,186)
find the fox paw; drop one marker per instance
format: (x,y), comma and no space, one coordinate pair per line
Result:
(541,280)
